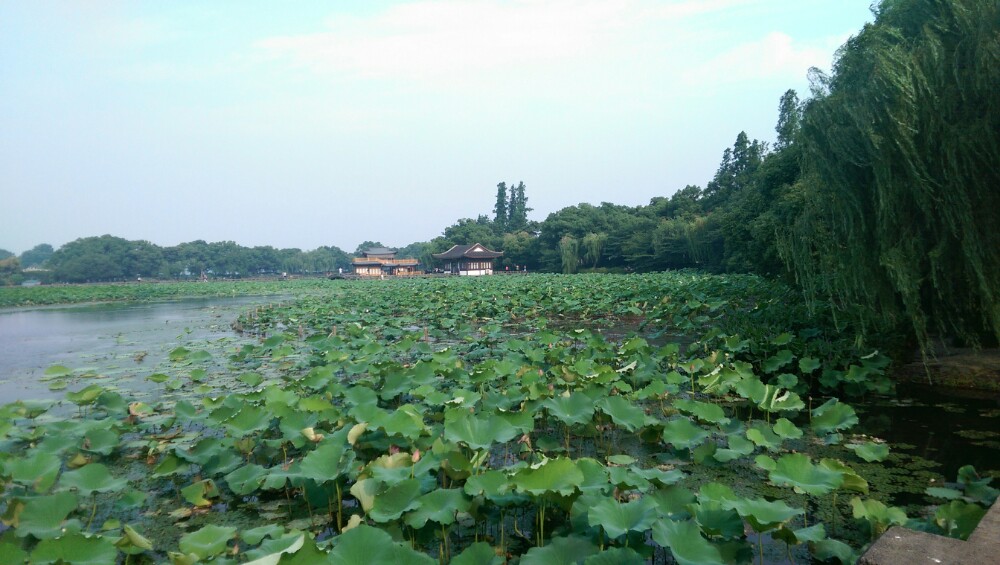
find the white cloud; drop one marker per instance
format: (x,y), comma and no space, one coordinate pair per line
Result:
(775,55)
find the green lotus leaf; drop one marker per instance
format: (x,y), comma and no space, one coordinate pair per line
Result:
(91,478)
(852,480)
(43,516)
(492,484)
(686,543)
(785,429)
(828,549)
(617,518)
(133,540)
(365,491)
(672,501)
(623,412)
(946,493)
(977,488)
(179,354)
(616,556)
(751,388)
(102,441)
(560,551)
(440,506)
(396,500)
(560,476)
(328,461)
(763,515)
(870,451)
(577,408)
(207,542)
(797,471)
(170,465)
(776,399)
(738,447)
(11,554)
(958,518)
(246,479)
(762,436)
(777,361)
(813,533)
(75,548)
(832,416)
(86,395)
(808,364)
(476,431)
(254,536)
(704,411)
(405,421)
(660,476)
(58,371)
(716,518)
(480,553)
(364,545)
(199,493)
(250,419)
(158,378)
(878,515)
(38,471)
(683,434)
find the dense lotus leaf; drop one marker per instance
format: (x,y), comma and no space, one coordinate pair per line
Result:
(11,553)
(763,515)
(480,553)
(573,409)
(38,471)
(207,542)
(440,506)
(476,431)
(246,479)
(977,488)
(797,471)
(623,412)
(625,478)
(672,501)
(704,411)
(560,551)
(91,478)
(617,518)
(686,543)
(254,536)
(75,548)
(364,545)
(832,416)
(272,551)
(683,434)
(662,477)
(616,556)
(364,491)
(717,518)
(559,476)
(396,500)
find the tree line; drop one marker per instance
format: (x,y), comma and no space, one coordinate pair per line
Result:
(878,197)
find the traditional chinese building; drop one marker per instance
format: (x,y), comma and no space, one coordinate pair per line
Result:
(469,260)
(380,261)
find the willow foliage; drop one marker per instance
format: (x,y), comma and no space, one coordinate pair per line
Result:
(900,189)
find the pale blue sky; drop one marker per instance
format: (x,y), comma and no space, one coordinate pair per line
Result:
(300,124)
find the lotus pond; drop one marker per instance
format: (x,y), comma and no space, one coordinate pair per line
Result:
(664,418)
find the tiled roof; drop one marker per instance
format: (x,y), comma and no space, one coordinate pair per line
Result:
(474,251)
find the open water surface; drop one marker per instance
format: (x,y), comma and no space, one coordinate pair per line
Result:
(117,343)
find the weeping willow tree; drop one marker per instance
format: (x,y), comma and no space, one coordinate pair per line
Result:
(569,250)
(900,185)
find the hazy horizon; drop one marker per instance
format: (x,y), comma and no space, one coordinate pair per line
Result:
(383,121)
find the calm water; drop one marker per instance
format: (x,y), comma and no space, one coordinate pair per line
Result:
(117,343)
